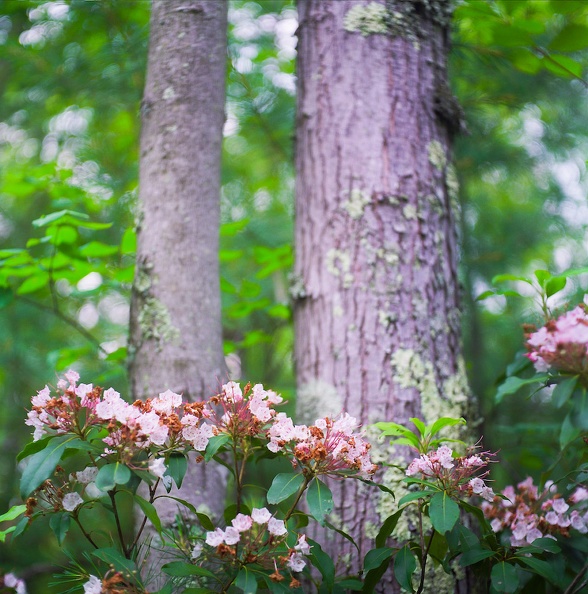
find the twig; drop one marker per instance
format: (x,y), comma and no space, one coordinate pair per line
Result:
(112,495)
(572,587)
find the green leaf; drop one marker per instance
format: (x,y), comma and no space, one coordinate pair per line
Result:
(177,465)
(562,392)
(214,445)
(111,556)
(42,464)
(59,523)
(34,283)
(542,276)
(350,584)
(5,533)
(415,495)
(376,557)
(391,429)
(230,229)
(111,475)
(319,499)
(182,569)
(442,423)
(128,243)
(13,513)
(323,563)
(571,38)
(563,66)
(6,296)
(57,216)
(500,278)
(485,295)
(514,384)
(472,556)
(404,566)
(568,432)
(284,485)
(444,512)
(555,285)
(387,528)
(540,567)
(247,581)
(419,425)
(504,578)
(97,249)
(150,512)
(544,544)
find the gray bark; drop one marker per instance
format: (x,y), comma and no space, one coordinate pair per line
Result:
(176,334)
(376,313)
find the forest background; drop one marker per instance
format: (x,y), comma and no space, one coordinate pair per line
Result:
(71,83)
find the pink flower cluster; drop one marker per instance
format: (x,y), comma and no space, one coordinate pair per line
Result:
(9,580)
(456,475)
(529,514)
(327,447)
(561,344)
(259,534)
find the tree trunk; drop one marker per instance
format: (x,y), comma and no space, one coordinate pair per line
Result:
(376,288)
(176,334)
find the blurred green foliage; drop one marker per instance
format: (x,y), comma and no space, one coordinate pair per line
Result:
(71,80)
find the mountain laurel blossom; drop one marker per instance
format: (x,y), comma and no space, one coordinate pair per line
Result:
(529,514)
(454,474)
(561,344)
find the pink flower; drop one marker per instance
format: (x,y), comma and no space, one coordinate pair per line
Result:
(157,467)
(445,457)
(477,484)
(166,402)
(214,539)
(93,585)
(560,506)
(42,397)
(580,494)
(242,522)
(232,392)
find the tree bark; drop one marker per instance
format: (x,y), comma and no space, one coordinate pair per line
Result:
(176,333)
(377,319)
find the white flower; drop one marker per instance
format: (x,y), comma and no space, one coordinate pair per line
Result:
(260,516)
(93,585)
(71,501)
(302,546)
(87,475)
(296,562)
(197,550)
(232,536)
(157,467)
(276,527)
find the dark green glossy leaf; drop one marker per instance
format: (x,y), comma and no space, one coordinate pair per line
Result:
(59,523)
(319,499)
(112,557)
(182,569)
(214,445)
(444,512)
(387,528)
(247,581)
(111,475)
(504,578)
(404,566)
(563,390)
(177,465)
(150,512)
(284,485)
(472,556)
(323,563)
(376,557)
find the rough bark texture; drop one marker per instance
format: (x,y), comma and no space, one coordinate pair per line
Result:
(375,286)
(176,335)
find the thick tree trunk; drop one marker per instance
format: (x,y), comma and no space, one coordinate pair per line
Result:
(376,288)
(176,335)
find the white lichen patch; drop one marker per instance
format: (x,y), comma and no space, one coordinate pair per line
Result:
(169,94)
(337,311)
(409,212)
(437,156)
(367,19)
(317,399)
(437,581)
(356,203)
(297,288)
(155,322)
(411,371)
(371,530)
(338,263)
